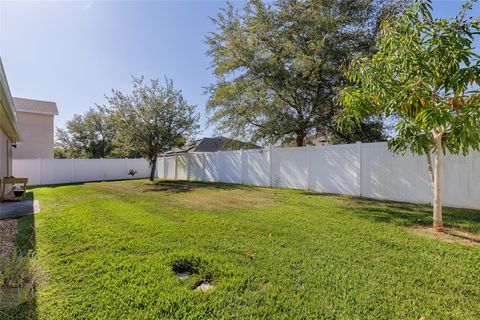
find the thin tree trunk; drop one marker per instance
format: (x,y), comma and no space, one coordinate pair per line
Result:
(430,168)
(153,168)
(437,185)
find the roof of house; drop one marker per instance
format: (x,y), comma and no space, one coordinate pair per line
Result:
(35,106)
(213,145)
(8,116)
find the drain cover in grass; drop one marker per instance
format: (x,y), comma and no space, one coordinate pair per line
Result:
(204,286)
(183,275)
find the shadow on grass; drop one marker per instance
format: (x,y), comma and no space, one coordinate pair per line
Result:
(25,242)
(406,214)
(184,186)
(80,183)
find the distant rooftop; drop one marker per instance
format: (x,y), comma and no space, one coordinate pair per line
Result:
(213,145)
(35,106)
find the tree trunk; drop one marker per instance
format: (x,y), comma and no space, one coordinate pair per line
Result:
(153,168)
(437,185)
(430,168)
(300,139)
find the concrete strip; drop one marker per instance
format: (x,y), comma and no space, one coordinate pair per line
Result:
(10,210)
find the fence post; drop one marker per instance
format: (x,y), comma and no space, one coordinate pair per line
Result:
(270,165)
(41,170)
(72,168)
(176,165)
(164,167)
(307,162)
(359,175)
(204,166)
(242,153)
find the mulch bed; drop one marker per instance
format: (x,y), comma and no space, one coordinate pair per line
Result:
(450,235)
(8,229)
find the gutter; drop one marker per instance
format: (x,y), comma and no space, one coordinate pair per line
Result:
(7,101)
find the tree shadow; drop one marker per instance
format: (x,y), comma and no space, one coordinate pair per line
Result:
(25,244)
(185,186)
(406,214)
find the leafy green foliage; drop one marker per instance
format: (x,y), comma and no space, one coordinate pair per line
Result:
(279,66)
(316,256)
(85,136)
(425,72)
(152,119)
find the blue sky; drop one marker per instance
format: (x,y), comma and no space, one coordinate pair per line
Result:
(74,52)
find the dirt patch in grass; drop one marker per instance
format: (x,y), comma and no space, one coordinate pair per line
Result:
(450,235)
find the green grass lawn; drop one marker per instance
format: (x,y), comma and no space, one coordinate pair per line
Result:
(106,251)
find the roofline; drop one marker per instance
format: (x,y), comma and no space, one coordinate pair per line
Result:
(10,111)
(37,112)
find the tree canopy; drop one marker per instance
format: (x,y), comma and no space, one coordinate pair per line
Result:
(279,66)
(425,72)
(152,119)
(87,135)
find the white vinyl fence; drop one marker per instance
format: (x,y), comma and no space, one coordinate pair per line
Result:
(57,171)
(362,169)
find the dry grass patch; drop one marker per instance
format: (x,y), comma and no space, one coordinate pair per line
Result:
(225,199)
(197,195)
(450,235)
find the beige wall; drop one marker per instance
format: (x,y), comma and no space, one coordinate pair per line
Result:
(37,130)
(5,155)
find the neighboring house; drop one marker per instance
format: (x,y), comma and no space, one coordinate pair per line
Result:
(320,141)
(213,145)
(36,120)
(9,126)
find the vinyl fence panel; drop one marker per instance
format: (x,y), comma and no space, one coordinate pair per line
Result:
(362,169)
(334,169)
(289,168)
(461,180)
(394,176)
(196,165)
(230,166)
(365,169)
(256,167)
(212,167)
(169,169)
(59,171)
(182,167)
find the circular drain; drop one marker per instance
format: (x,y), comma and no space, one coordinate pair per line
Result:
(187,266)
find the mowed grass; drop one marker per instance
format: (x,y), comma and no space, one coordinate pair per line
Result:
(106,251)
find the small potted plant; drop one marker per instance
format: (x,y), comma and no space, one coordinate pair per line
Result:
(18,191)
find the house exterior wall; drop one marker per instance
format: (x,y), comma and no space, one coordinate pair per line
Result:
(5,155)
(38,136)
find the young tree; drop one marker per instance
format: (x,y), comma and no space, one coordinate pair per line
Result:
(86,136)
(278,67)
(427,74)
(152,119)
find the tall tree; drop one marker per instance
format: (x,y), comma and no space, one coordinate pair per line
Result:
(152,119)
(427,74)
(87,135)
(279,67)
